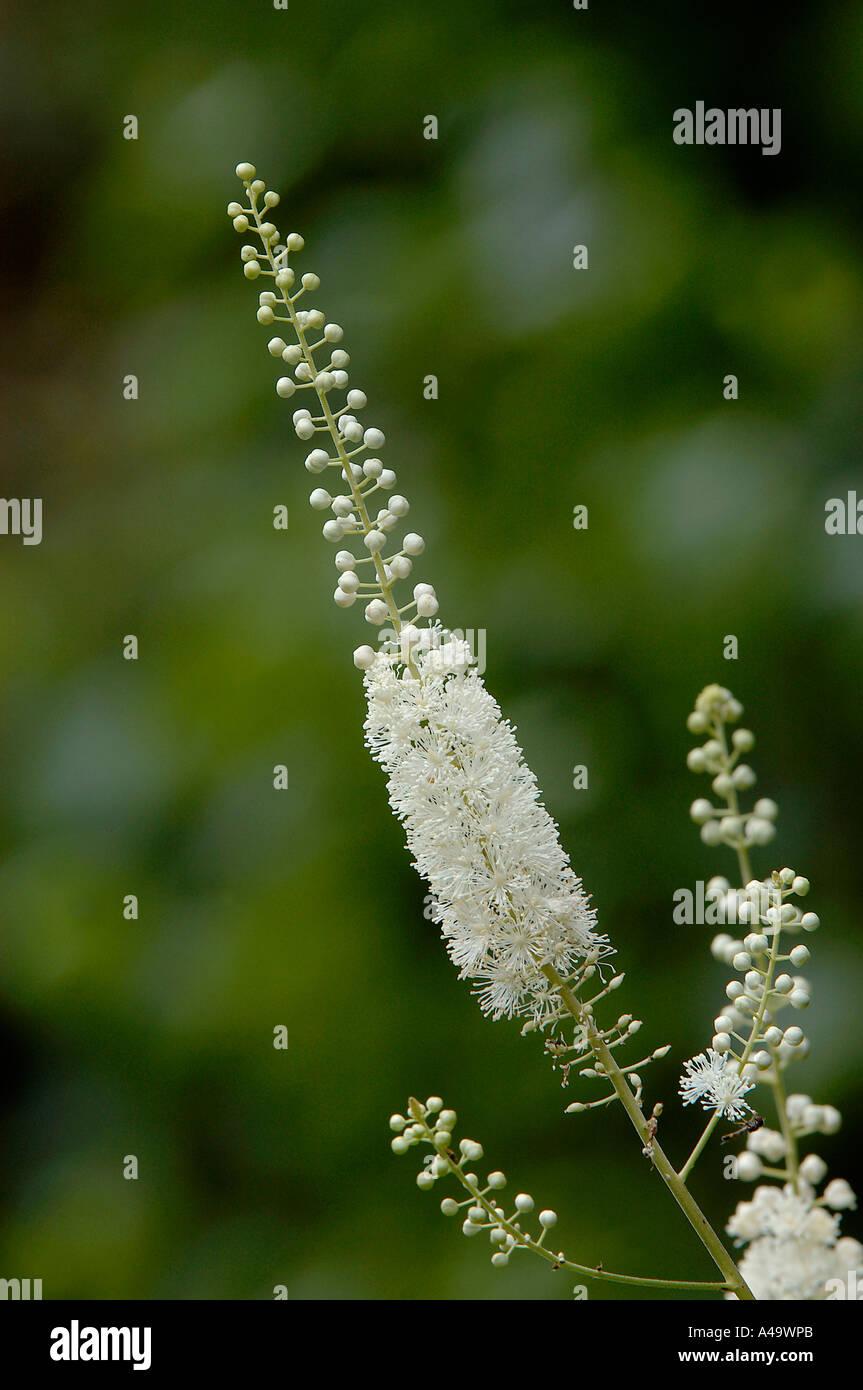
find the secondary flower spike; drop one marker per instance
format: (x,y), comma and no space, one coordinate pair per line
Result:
(794,1247)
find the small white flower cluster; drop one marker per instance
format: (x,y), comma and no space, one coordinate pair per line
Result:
(715,1081)
(726,825)
(747,1035)
(765,1148)
(503,891)
(746,1030)
(765,988)
(793,1246)
(351,448)
(433,1125)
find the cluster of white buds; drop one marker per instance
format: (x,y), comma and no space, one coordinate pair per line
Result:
(719,756)
(749,1044)
(805,1117)
(317,363)
(764,985)
(767,1148)
(432,1125)
(749,1038)
(795,1245)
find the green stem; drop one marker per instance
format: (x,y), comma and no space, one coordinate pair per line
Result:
(700,1146)
(733,803)
(791,1154)
(757,1024)
(778,1087)
(734,1280)
(777,1084)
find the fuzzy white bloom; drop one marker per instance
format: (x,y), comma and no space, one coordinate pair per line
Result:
(793,1245)
(713,1079)
(504,894)
(453,656)
(784,1271)
(783,1213)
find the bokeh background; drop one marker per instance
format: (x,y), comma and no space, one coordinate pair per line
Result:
(260,908)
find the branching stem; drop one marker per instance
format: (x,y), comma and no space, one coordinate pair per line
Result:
(559,1261)
(734,1280)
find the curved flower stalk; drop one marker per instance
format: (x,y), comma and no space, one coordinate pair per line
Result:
(318,365)
(514,915)
(793,1243)
(484,1208)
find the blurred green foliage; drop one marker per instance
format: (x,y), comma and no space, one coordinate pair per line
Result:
(556,387)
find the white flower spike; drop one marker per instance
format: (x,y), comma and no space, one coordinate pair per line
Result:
(508,902)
